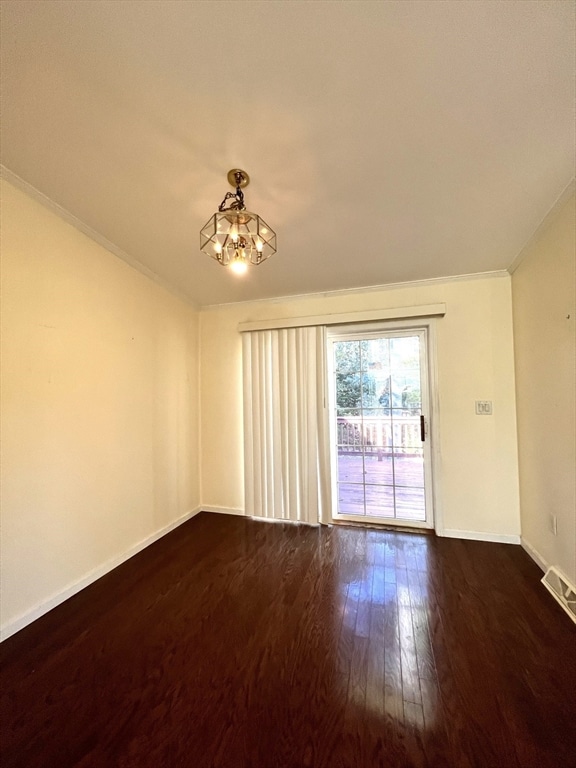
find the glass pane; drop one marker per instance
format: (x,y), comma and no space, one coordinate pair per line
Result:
(403,394)
(350,499)
(408,396)
(409,470)
(368,390)
(350,468)
(370,433)
(372,413)
(378,469)
(380,457)
(384,397)
(410,504)
(380,432)
(380,500)
(348,391)
(348,412)
(406,435)
(347,356)
(405,378)
(405,352)
(349,433)
(376,356)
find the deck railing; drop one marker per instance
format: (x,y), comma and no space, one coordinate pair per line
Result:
(380,435)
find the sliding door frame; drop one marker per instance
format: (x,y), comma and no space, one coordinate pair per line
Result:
(355,329)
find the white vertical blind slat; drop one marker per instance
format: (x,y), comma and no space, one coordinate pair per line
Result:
(286,459)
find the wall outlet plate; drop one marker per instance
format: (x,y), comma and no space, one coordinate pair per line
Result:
(484,407)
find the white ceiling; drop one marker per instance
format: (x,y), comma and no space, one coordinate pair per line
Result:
(386,141)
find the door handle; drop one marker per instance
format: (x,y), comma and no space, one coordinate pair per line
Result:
(422,428)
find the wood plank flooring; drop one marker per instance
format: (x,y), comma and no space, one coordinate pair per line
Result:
(233,643)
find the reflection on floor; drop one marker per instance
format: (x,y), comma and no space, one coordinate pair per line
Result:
(234,643)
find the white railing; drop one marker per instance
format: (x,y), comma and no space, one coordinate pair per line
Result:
(379,434)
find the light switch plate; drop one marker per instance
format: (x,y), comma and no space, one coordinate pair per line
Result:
(484,407)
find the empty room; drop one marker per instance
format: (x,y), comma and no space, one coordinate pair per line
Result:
(288,384)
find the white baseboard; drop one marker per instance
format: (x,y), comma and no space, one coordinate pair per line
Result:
(34,613)
(236,511)
(281,520)
(223,510)
(498,538)
(535,555)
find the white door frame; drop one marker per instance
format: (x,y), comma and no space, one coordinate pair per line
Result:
(432,483)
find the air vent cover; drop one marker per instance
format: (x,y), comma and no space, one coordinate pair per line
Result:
(564,592)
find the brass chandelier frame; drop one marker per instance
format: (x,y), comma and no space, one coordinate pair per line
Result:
(234,236)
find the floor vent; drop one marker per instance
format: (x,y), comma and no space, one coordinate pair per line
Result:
(564,592)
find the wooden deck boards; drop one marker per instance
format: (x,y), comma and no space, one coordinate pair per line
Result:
(394,486)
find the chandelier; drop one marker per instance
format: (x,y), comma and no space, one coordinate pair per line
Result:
(235,237)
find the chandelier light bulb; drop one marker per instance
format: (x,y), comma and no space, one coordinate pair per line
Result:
(239,266)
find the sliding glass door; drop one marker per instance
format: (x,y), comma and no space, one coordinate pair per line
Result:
(379,406)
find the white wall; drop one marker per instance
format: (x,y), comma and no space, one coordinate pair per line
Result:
(102,375)
(478,476)
(544,302)
(99,409)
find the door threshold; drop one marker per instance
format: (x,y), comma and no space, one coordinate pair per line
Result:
(385,527)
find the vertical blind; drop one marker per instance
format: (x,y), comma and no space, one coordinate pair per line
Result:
(286,456)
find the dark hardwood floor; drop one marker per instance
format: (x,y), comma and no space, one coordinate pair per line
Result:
(236,643)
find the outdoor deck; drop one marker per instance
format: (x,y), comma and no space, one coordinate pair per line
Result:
(398,479)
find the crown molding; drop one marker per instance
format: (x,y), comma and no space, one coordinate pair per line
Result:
(64,214)
(346,318)
(492,275)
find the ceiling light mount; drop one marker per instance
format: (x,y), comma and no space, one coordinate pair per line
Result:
(238,178)
(233,236)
